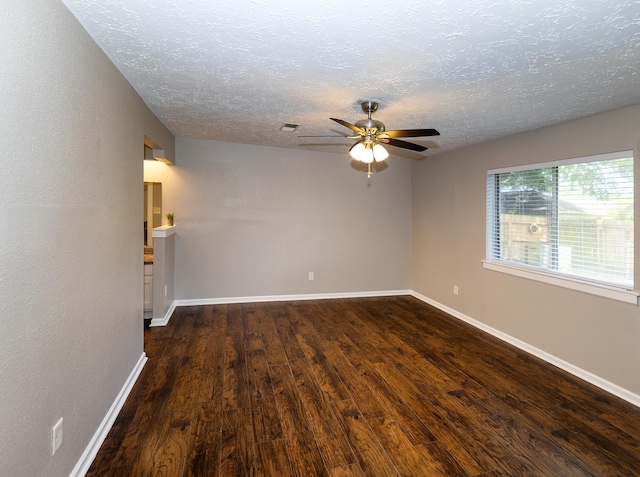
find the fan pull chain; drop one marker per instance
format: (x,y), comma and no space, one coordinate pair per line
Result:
(369,171)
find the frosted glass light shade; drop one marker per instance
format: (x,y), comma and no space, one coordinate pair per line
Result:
(361,153)
(379,153)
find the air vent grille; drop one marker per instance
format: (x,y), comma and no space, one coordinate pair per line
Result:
(289,127)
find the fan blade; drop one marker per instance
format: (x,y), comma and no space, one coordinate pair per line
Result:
(402,144)
(409,133)
(326,136)
(348,125)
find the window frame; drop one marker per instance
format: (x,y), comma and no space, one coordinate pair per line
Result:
(549,276)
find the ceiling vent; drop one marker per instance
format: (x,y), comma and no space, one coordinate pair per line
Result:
(288,127)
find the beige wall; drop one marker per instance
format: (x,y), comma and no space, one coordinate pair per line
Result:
(598,335)
(254,221)
(71,235)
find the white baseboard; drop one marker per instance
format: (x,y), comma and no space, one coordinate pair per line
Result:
(165,319)
(549,358)
(92,449)
(270,298)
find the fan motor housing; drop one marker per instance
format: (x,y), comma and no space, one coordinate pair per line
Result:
(370,124)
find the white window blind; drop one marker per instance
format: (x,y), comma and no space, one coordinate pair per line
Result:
(571,218)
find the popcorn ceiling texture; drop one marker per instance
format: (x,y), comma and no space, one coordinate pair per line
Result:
(235,70)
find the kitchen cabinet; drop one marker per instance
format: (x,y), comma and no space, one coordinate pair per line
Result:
(148,287)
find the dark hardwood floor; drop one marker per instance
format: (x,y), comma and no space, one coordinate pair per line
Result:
(373,386)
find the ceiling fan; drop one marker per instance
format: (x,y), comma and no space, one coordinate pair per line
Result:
(371,134)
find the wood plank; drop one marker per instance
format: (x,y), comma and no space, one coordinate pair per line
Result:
(450,434)
(473,458)
(385,395)
(130,406)
(612,410)
(533,447)
(310,342)
(105,459)
(619,445)
(348,359)
(600,444)
(259,380)
(169,459)
(253,336)
(273,347)
(304,455)
(236,391)
(401,452)
(438,461)
(202,321)
(213,365)
(290,344)
(480,451)
(203,457)
(358,331)
(237,449)
(186,386)
(360,392)
(266,421)
(427,402)
(331,441)
(138,469)
(372,458)
(210,319)
(293,417)
(423,351)
(352,470)
(137,440)
(409,362)
(412,426)
(154,348)
(138,444)
(272,459)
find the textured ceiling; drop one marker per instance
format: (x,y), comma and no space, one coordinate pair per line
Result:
(236,70)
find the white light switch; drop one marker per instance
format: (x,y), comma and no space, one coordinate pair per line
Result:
(56,436)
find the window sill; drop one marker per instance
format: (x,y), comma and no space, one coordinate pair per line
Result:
(615,293)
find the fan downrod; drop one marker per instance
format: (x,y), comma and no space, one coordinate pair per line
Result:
(372,125)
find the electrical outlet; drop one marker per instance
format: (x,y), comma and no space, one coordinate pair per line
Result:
(455,289)
(56,437)
(311,276)
(165,290)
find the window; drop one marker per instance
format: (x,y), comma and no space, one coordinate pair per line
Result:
(568,222)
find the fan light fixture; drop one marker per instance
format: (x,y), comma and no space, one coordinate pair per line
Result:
(379,153)
(371,134)
(368,152)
